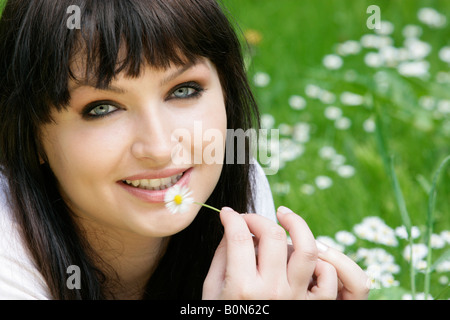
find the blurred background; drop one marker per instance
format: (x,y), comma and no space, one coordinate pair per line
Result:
(345,99)
(350,103)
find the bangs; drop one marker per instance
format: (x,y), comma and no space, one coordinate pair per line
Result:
(122,36)
(119,36)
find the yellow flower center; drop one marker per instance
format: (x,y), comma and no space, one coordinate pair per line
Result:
(178,199)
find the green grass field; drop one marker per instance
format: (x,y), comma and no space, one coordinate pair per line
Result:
(400,76)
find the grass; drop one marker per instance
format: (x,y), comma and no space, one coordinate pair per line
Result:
(296,35)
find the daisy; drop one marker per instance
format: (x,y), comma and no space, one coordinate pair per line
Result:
(178,199)
(332,62)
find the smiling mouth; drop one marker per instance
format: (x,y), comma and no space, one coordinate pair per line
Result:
(154,184)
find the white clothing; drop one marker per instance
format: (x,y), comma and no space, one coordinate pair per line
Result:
(21,280)
(263,199)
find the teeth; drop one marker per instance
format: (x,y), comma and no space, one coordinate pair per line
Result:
(155,184)
(135,183)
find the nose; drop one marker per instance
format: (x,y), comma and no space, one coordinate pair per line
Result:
(152,139)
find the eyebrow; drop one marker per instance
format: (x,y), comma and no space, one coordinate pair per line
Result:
(91,84)
(180,71)
(119,90)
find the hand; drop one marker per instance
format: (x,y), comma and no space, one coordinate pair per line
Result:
(354,284)
(239,272)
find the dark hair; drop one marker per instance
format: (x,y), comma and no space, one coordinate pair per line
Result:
(36,51)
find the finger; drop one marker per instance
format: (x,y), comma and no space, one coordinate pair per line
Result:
(214,280)
(356,284)
(272,246)
(326,284)
(240,252)
(303,259)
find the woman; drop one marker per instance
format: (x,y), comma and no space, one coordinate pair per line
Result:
(88,117)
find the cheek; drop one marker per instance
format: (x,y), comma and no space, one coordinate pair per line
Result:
(201,135)
(80,155)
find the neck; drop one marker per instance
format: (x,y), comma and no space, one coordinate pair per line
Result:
(128,261)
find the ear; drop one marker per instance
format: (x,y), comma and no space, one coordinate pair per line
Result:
(40,152)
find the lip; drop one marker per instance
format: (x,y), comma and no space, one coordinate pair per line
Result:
(157,175)
(155,196)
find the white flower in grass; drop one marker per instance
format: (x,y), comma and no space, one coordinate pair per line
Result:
(336,161)
(301,132)
(307,189)
(369,125)
(403,234)
(343,123)
(332,61)
(261,79)
(345,237)
(323,182)
(417,49)
(386,28)
(387,280)
(333,113)
(437,242)
(418,296)
(432,17)
(178,199)
(427,102)
(444,54)
(313,91)
(443,106)
(417,69)
(444,266)
(348,47)
(412,31)
(297,102)
(351,99)
(375,230)
(419,252)
(327,97)
(373,59)
(267,121)
(327,152)
(443,280)
(346,171)
(446,236)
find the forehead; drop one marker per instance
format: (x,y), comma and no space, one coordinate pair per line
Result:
(200,67)
(84,70)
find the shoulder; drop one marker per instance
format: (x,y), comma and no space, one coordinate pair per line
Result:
(19,278)
(262,194)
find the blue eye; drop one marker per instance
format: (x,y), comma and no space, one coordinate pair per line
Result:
(184,92)
(102,110)
(187,90)
(98,110)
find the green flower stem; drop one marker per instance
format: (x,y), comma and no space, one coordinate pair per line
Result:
(207,206)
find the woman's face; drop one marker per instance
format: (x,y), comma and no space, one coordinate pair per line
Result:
(111,149)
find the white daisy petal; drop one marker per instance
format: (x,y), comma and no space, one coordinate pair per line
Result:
(178,199)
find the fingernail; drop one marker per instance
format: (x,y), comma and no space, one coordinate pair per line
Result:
(227,209)
(321,247)
(284,210)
